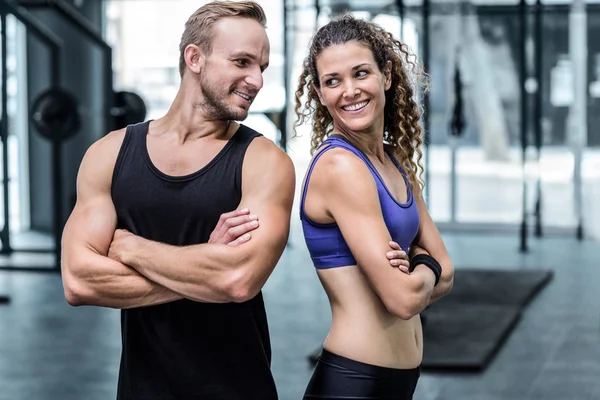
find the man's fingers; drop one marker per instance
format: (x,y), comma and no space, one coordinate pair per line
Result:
(238,231)
(403,269)
(235,213)
(232,214)
(237,221)
(226,223)
(240,240)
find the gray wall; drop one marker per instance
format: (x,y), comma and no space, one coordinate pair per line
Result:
(82,75)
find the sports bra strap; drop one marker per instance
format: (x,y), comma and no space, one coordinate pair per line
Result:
(337,141)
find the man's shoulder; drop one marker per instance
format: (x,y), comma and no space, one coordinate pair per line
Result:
(263,149)
(97,165)
(107,145)
(101,156)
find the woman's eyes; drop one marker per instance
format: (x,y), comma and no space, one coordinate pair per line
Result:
(335,81)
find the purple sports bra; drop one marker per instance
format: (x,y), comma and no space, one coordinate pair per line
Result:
(325,242)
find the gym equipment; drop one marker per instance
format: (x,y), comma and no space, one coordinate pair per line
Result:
(120,108)
(54,114)
(129,108)
(46,114)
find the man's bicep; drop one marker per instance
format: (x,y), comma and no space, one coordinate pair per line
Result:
(93,220)
(268,192)
(91,225)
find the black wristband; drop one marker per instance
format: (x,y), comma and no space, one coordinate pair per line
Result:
(429,262)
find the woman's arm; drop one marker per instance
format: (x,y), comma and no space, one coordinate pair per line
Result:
(429,241)
(343,183)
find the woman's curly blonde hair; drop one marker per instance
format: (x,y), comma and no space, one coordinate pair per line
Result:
(402,132)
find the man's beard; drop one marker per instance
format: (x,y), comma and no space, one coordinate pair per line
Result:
(216,104)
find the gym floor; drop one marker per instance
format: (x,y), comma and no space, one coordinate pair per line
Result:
(50,351)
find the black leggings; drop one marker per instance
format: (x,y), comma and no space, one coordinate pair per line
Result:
(337,377)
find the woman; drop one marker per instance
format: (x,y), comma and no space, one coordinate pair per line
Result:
(361,191)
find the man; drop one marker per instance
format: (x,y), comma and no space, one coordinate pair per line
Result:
(182,265)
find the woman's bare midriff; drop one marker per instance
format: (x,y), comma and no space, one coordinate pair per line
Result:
(362,328)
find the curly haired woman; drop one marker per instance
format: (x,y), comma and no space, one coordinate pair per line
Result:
(362,193)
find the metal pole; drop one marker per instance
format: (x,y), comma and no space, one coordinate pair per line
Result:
(426,106)
(401,9)
(537,122)
(57,181)
(457,120)
(5,234)
(524,98)
(283,120)
(578,113)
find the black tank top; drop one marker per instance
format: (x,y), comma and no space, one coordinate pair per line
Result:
(185,349)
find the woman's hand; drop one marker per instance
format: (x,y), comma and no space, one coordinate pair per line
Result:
(398,257)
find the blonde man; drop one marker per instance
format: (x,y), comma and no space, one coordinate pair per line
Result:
(179,222)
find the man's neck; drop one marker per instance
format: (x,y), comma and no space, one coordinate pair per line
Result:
(188,120)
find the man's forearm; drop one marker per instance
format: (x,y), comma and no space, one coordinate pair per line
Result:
(99,281)
(205,272)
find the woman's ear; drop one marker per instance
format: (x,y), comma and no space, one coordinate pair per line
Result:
(387,71)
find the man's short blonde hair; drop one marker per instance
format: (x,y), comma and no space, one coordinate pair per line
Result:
(199,27)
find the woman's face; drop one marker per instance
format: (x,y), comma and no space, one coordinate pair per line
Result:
(352,87)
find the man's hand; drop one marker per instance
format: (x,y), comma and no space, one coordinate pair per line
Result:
(234,228)
(118,246)
(398,257)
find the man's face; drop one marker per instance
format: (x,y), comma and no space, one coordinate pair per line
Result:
(232,73)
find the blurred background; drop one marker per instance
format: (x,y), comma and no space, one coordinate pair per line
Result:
(515,191)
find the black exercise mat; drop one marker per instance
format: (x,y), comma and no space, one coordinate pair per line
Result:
(501,287)
(465,329)
(462,336)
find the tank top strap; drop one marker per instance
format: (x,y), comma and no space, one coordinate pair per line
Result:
(132,146)
(244,136)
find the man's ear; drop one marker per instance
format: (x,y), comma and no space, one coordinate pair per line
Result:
(318,90)
(194,58)
(387,72)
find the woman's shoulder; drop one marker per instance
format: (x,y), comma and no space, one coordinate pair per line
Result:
(339,165)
